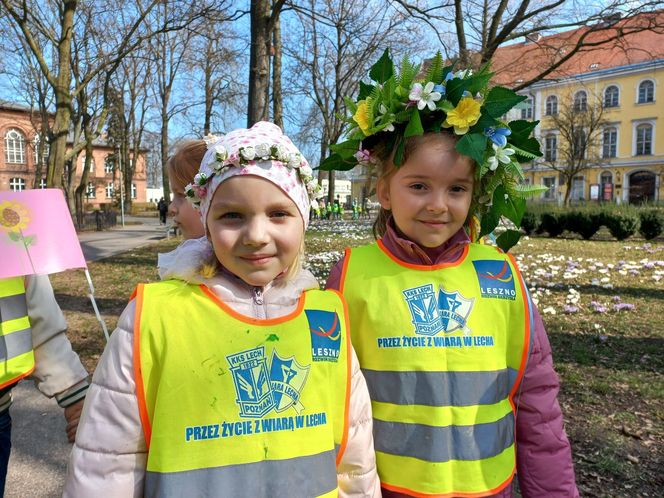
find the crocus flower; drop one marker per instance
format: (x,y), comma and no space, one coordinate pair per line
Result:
(498,135)
(424,96)
(463,116)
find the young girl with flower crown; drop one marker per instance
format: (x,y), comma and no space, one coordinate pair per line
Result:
(455,355)
(245,384)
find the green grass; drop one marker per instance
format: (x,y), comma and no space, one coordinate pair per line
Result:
(611,363)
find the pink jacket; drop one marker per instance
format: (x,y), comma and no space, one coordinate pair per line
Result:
(544,457)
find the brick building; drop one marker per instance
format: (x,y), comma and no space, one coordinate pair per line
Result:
(18,157)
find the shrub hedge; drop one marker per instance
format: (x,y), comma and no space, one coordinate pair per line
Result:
(622,221)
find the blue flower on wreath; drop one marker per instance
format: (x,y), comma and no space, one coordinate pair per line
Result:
(498,135)
(440,89)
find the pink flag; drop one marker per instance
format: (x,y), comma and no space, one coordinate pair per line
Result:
(37,235)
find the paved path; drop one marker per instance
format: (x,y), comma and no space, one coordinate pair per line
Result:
(40,450)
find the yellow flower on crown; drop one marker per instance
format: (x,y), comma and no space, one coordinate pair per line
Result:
(464,115)
(13,216)
(362,117)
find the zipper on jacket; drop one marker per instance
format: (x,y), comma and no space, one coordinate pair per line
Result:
(258,302)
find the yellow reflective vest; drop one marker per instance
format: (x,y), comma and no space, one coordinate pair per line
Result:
(17,359)
(443,349)
(237,406)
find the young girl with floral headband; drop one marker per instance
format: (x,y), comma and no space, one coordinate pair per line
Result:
(243,385)
(455,355)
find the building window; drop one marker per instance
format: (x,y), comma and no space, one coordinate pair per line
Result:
(551,105)
(527,110)
(551,148)
(91,191)
(110,189)
(646,92)
(550,183)
(606,177)
(579,144)
(42,183)
(14,147)
(17,184)
(35,145)
(580,101)
(92,164)
(133,191)
(577,193)
(609,142)
(611,96)
(108,165)
(644,140)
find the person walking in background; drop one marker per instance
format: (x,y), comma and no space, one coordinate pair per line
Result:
(162,207)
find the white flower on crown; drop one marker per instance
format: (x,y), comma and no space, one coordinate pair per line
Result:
(282,153)
(220,152)
(248,153)
(263,151)
(200,179)
(294,160)
(210,139)
(306,171)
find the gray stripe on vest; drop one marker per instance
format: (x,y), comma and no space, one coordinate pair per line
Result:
(304,477)
(12,307)
(14,344)
(442,444)
(439,388)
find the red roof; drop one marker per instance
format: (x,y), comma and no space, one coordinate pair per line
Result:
(518,63)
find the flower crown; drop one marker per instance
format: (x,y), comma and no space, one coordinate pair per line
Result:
(249,155)
(394,107)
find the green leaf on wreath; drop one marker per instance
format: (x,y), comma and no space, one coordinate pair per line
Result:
(384,68)
(508,239)
(414,126)
(454,90)
(521,130)
(472,145)
(338,163)
(365,90)
(499,100)
(346,149)
(511,207)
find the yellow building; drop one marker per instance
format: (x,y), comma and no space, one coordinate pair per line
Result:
(625,153)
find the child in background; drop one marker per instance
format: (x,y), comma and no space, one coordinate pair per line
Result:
(453,350)
(245,385)
(182,167)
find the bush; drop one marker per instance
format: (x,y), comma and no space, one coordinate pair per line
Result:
(552,223)
(622,225)
(585,223)
(529,222)
(651,224)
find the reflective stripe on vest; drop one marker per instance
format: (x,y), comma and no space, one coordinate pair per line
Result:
(307,476)
(16,355)
(251,407)
(442,349)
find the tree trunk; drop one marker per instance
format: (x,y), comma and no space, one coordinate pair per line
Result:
(164,152)
(259,62)
(277,95)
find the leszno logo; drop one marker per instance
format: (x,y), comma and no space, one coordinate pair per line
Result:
(496,279)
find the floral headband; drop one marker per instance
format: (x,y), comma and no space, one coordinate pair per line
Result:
(262,150)
(394,107)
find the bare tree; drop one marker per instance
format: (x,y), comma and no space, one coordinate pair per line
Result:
(56,23)
(579,125)
(337,42)
(480,27)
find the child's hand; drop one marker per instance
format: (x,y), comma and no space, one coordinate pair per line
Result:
(72,416)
